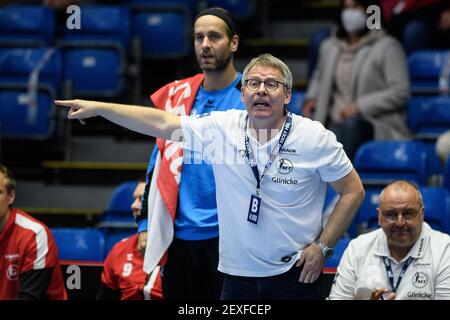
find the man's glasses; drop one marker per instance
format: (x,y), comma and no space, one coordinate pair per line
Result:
(407,214)
(271,85)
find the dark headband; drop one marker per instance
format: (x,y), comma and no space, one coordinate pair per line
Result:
(222,14)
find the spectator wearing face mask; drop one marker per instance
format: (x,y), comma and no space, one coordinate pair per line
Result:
(360,86)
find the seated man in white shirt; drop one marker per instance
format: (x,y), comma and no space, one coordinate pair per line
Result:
(404,259)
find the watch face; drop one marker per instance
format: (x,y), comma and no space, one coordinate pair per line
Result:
(329,253)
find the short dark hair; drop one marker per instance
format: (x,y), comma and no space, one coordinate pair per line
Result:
(10,181)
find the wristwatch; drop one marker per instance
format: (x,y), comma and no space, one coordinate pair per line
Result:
(327,252)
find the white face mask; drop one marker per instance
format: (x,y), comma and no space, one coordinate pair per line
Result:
(353,20)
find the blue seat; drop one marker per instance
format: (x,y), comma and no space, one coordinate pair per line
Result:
(122,197)
(296,103)
(446,178)
(162,32)
(27,92)
(26,25)
(95,55)
(240,9)
(112,236)
(190,5)
(429,116)
(17,64)
(381,162)
(437,209)
(79,244)
(20,119)
(119,213)
(339,249)
(366,218)
(425,68)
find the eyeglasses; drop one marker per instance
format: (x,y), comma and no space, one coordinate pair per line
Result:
(407,214)
(271,85)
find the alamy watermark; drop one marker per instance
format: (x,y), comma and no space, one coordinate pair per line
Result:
(73,281)
(374,17)
(74,20)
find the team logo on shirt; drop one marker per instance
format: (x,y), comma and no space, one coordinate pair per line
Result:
(12,273)
(284,166)
(419,280)
(243,153)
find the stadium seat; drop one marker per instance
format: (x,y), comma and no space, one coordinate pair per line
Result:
(19,119)
(122,197)
(190,5)
(162,32)
(339,249)
(380,162)
(79,244)
(29,82)
(429,116)
(17,64)
(240,9)
(437,209)
(95,55)
(425,67)
(366,218)
(114,235)
(119,213)
(26,25)
(295,106)
(446,178)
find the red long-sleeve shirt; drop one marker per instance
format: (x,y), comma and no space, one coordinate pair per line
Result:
(29,264)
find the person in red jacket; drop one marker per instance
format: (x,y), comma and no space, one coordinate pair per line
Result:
(123,276)
(29,264)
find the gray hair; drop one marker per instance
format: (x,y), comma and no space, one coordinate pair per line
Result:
(267,59)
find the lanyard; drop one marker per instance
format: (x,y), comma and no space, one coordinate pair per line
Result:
(251,158)
(387,265)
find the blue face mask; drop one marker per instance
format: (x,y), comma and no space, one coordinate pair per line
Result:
(353,20)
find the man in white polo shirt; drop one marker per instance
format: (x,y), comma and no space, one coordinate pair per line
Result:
(271,170)
(405,259)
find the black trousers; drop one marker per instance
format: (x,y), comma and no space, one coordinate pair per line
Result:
(191,272)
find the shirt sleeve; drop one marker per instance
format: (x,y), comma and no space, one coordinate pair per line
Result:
(333,163)
(201,132)
(344,282)
(34,284)
(442,290)
(41,251)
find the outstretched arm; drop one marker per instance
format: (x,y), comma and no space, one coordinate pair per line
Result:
(149,121)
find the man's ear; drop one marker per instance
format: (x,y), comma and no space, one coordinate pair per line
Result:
(234,43)
(287,98)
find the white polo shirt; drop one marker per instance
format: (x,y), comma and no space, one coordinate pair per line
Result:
(362,268)
(292,190)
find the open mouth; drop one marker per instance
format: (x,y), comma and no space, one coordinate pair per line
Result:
(261,105)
